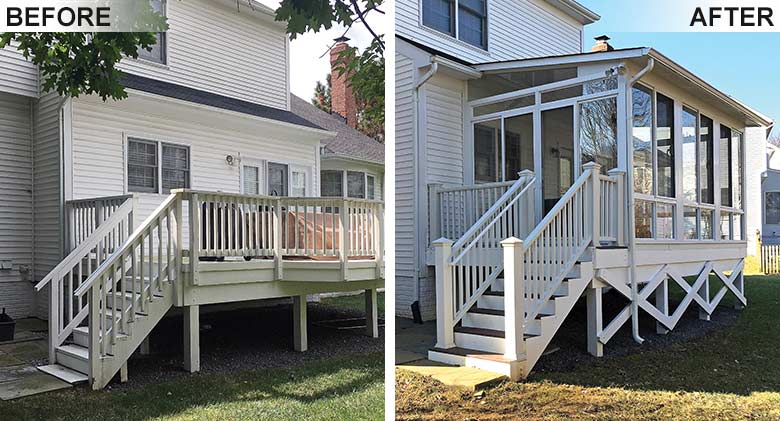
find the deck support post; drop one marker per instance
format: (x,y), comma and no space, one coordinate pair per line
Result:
(445,310)
(514,299)
(192,338)
(299,323)
(594,298)
(145,348)
(123,373)
(372,313)
(739,283)
(704,292)
(662,304)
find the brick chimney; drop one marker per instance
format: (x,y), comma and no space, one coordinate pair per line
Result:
(342,99)
(602,44)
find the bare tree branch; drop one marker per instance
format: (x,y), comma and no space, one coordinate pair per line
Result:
(363,19)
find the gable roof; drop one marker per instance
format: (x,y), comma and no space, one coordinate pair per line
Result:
(348,143)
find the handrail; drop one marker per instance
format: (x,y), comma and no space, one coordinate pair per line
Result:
(540,227)
(93,240)
(303,199)
(480,186)
(101,198)
(128,243)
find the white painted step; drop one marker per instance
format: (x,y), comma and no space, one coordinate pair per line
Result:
(73,356)
(64,373)
(81,337)
(495,363)
(471,338)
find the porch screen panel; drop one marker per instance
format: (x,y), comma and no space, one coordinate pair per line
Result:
(643,211)
(706,165)
(598,133)
(725,167)
(706,224)
(487,151)
(736,167)
(664,220)
(665,145)
(690,225)
(643,140)
(689,158)
(557,154)
(519,148)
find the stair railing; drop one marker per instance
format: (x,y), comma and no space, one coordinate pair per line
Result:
(467,268)
(84,216)
(611,208)
(129,279)
(66,311)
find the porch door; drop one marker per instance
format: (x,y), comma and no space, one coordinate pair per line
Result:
(558,166)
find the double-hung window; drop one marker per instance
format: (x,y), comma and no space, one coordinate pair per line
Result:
(356,184)
(465,20)
(149,162)
(158,52)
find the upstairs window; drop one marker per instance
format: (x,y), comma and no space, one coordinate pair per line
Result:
(149,161)
(158,53)
(465,20)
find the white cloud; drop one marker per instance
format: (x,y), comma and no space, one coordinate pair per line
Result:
(306,65)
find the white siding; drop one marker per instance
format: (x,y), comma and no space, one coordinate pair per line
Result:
(214,48)
(755,165)
(99,131)
(19,76)
(16,221)
(516,29)
(444,131)
(48,191)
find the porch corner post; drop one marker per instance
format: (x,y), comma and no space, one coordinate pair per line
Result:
(620,185)
(595,171)
(594,302)
(514,299)
(278,227)
(195,242)
(372,313)
(445,308)
(379,235)
(54,312)
(344,240)
(434,209)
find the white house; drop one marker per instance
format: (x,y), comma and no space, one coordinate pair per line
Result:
(530,172)
(770,191)
(201,187)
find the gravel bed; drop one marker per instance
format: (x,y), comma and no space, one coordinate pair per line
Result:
(247,339)
(571,339)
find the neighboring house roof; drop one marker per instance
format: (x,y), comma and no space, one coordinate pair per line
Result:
(348,143)
(196,96)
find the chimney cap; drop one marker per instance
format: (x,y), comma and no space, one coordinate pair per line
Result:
(602,38)
(341,39)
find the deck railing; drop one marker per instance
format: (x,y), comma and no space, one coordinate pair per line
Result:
(612,193)
(84,216)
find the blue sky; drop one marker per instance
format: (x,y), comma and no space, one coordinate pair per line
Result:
(743,65)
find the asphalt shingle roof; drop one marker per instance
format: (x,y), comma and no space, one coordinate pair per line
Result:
(348,143)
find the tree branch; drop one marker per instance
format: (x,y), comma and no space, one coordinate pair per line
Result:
(363,19)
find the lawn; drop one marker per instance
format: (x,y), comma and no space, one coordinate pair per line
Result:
(357,302)
(729,374)
(331,388)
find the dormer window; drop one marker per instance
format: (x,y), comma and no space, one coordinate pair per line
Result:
(468,25)
(158,53)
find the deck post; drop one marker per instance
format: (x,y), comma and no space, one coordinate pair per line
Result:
(662,304)
(595,205)
(372,313)
(704,292)
(123,373)
(594,300)
(278,227)
(739,283)
(445,311)
(620,177)
(344,240)
(300,339)
(145,347)
(194,208)
(192,338)
(514,299)
(379,246)
(54,316)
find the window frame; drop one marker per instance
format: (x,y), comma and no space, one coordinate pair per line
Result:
(162,41)
(455,23)
(158,166)
(345,185)
(764,219)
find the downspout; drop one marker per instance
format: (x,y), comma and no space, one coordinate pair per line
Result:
(630,204)
(418,170)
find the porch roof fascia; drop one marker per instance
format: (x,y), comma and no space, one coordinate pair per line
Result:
(753,116)
(455,69)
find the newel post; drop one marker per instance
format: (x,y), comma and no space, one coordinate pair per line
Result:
(595,206)
(278,227)
(620,205)
(514,299)
(445,307)
(434,209)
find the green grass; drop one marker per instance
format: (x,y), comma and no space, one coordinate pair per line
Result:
(335,389)
(356,302)
(729,374)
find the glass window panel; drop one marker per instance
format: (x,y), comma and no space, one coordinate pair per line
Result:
(519,145)
(643,139)
(175,167)
(736,167)
(725,226)
(438,14)
(665,145)
(471,27)
(559,94)
(690,227)
(525,101)
(706,224)
(592,87)
(332,183)
(277,179)
(487,151)
(706,161)
(772,207)
(298,184)
(142,170)
(598,133)
(601,85)
(370,187)
(736,228)
(251,179)
(643,213)
(664,220)
(689,161)
(356,184)
(157,53)
(557,154)
(725,166)
(500,83)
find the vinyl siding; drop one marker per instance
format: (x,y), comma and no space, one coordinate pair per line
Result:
(48,192)
(16,222)
(98,148)
(755,165)
(405,237)
(516,29)
(19,76)
(246,57)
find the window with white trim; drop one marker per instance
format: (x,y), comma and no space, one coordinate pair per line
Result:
(158,54)
(278,179)
(358,184)
(251,179)
(332,183)
(465,20)
(370,187)
(772,207)
(148,161)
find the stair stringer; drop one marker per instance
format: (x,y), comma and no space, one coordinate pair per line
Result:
(122,350)
(536,345)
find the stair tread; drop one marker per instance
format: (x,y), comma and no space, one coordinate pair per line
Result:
(480,331)
(84,330)
(501,293)
(472,353)
(74,350)
(63,373)
(489,311)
